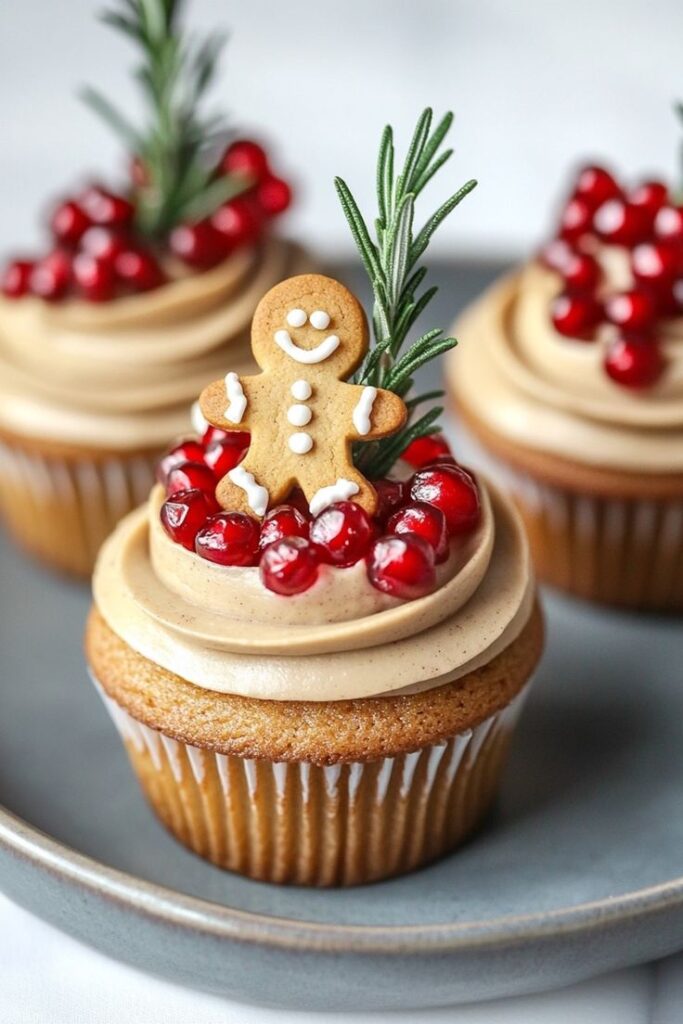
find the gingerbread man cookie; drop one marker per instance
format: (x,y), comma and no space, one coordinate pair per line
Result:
(308,335)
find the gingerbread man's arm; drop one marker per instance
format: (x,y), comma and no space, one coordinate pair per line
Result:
(226,403)
(374,413)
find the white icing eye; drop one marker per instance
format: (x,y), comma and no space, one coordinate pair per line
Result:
(297,318)
(320,319)
(301,390)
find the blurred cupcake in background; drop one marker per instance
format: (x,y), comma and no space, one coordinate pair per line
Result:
(570,378)
(140,297)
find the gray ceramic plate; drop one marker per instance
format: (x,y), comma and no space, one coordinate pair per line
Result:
(578,871)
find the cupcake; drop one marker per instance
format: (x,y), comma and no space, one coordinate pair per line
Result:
(571,384)
(143,295)
(315,649)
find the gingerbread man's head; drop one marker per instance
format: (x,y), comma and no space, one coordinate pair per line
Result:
(310,320)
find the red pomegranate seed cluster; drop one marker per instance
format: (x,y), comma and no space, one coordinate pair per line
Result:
(401,546)
(97,254)
(647,223)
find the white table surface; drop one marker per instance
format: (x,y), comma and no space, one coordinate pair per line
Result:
(49,978)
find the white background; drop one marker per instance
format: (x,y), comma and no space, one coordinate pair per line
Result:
(535,85)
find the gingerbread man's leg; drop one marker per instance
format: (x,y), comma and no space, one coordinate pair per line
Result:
(338,482)
(246,488)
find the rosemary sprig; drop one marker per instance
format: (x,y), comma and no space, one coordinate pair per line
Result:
(390,261)
(178,145)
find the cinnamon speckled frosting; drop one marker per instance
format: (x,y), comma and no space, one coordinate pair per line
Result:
(124,374)
(219,627)
(549,393)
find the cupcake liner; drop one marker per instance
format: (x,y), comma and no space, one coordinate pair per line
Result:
(62,509)
(300,823)
(619,551)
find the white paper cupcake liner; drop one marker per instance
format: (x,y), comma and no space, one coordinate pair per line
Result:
(61,510)
(620,551)
(343,824)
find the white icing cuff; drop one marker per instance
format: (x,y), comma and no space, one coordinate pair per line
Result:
(257,496)
(363,411)
(341,490)
(236,398)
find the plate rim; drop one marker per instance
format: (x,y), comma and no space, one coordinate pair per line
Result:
(169,906)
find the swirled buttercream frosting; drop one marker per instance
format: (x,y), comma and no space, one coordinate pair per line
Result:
(124,374)
(219,627)
(547,392)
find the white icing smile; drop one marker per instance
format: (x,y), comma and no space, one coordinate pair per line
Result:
(303,355)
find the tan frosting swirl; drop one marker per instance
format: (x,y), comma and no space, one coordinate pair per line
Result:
(221,629)
(124,374)
(550,393)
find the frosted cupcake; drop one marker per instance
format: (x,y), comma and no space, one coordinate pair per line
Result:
(316,651)
(106,340)
(571,381)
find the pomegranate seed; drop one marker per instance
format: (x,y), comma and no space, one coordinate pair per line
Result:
(634,362)
(402,566)
(95,278)
(342,533)
(222,456)
(575,316)
(669,223)
(633,310)
(237,438)
(229,538)
(650,196)
(245,158)
(576,220)
(16,278)
(238,222)
(427,522)
(283,521)
(451,489)
(190,476)
(107,208)
(556,254)
(69,223)
(138,269)
(595,186)
(390,496)
(187,451)
(183,515)
(423,450)
(655,263)
(51,276)
(103,243)
(273,196)
(198,245)
(620,223)
(581,272)
(289,566)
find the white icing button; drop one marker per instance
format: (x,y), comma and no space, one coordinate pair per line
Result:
(320,319)
(299,415)
(301,390)
(297,318)
(301,443)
